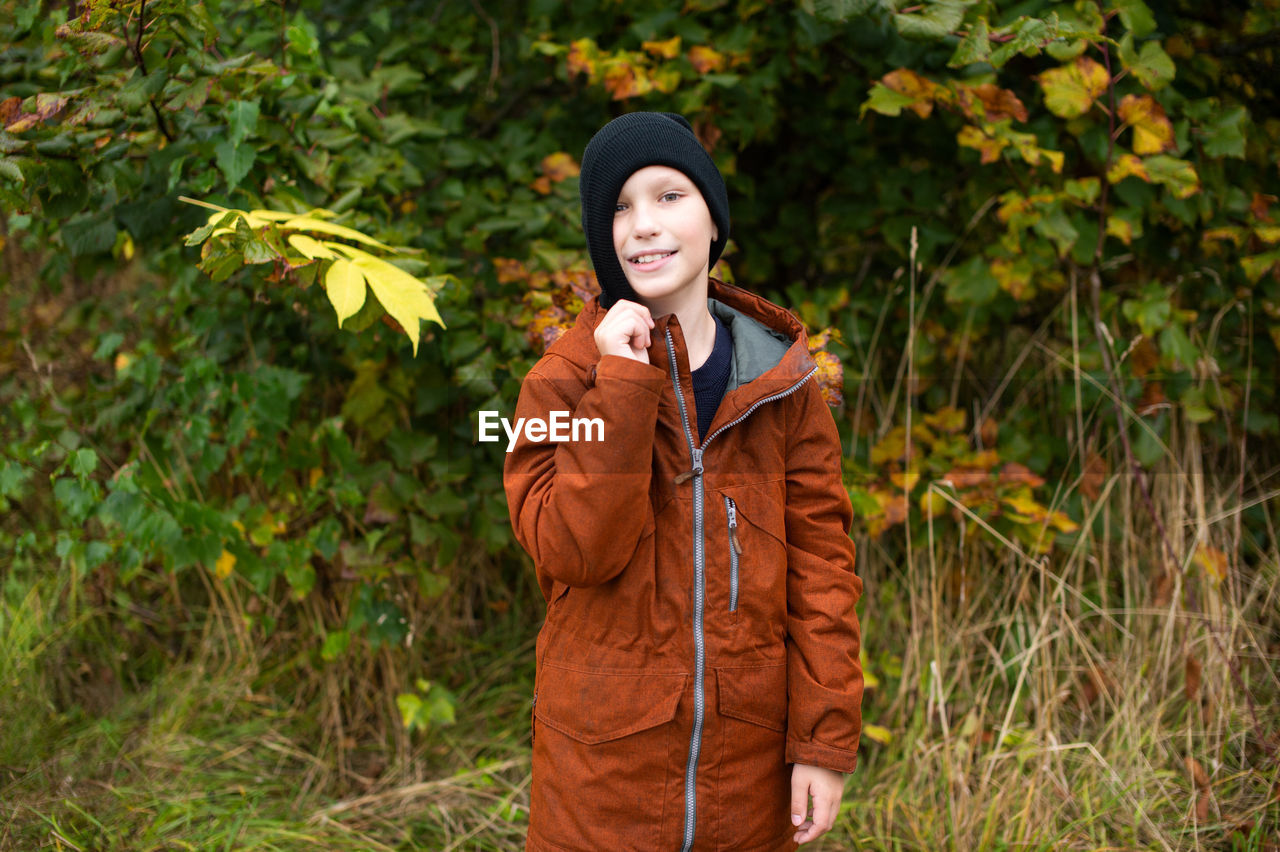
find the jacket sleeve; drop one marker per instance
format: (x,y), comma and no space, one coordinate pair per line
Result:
(579,507)
(824,675)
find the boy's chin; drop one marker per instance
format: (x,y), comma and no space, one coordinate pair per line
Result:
(664,292)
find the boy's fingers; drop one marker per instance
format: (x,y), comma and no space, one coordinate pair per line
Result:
(823,813)
(799,800)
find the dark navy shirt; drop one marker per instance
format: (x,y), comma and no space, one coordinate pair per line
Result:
(710,380)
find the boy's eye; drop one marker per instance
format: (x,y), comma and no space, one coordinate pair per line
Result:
(671,196)
(619,207)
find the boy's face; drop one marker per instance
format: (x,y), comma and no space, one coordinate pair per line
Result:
(662,233)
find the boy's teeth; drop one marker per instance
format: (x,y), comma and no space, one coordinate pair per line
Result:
(649,258)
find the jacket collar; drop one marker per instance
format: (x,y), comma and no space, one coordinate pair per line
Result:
(768,341)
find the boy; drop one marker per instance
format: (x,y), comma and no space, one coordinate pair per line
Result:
(700,632)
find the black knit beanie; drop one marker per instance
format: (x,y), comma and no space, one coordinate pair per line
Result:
(623,147)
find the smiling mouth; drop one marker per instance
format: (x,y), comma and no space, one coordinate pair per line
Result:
(650,258)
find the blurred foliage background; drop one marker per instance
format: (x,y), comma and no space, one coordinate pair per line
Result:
(257,583)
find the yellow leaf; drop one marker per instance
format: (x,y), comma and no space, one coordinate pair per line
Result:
(906,82)
(1069,91)
(892,446)
(226,562)
(705,59)
(869,680)
(906,481)
(877,733)
(1268,234)
(1063,523)
(309,223)
(988,146)
(344,282)
(309,248)
(1127,165)
(1024,508)
(932,503)
(315,475)
(1152,130)
(1213,561)
(668,49)
(404,297)
(1121,229)
(948,419)
(273,215)
(559,166)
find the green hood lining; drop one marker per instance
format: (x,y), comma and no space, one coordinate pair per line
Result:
(757,349)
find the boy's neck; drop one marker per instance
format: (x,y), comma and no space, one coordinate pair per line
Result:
(696,323)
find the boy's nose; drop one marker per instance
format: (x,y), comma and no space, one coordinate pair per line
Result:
(643,223)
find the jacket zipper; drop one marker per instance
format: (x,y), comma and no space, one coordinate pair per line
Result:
(699,581)
(699,599)
(735,550)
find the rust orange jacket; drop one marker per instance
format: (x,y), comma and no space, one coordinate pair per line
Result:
(700,631)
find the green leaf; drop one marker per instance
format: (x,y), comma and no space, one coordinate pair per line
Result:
(1195,407)
(1175,345)
(971,283)
(83,462)
(242,120)
(1150,312)
(1028,36)
(975,47)
(938,19)
(1151,65)
(1056,226)
(412,711)
(1135,16)
(886,101)
(234,161)
(335,645)
(1179,175)
(1224,135)
(839,11)
(89,235)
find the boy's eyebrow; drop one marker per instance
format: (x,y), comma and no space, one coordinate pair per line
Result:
(665,185)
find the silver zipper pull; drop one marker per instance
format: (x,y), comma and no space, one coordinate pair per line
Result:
(733,527)
(696,470)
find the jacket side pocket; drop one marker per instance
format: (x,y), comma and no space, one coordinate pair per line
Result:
(603,757)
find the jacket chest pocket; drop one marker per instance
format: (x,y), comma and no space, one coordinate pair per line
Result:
(753,537)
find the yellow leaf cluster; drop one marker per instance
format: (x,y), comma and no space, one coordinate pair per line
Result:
(408,300)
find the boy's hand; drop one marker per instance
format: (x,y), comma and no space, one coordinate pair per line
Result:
(826,786)
(625,331)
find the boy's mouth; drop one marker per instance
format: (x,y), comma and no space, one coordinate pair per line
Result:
(650,258)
